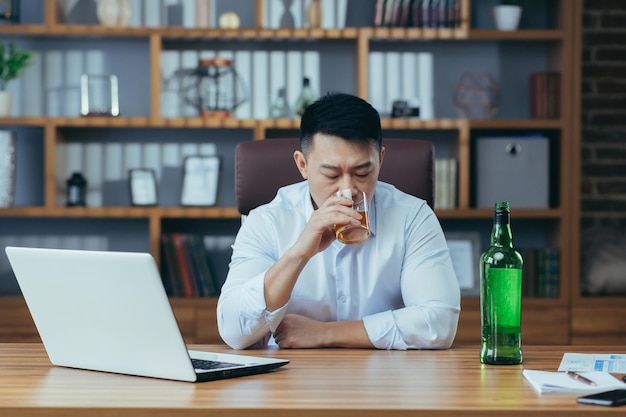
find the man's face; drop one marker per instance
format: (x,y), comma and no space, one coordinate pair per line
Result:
(335,164)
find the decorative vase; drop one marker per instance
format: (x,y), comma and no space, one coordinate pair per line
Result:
(507,17)
(286,19)
(6,102)
(114,12)
(314,14)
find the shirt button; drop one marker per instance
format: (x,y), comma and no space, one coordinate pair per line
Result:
(342,298)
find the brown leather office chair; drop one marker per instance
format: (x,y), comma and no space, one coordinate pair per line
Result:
(263,166)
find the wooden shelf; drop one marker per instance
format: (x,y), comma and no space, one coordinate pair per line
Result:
(488,213)
(122,212)
(233,123)
(194,313)
(231,212)
(516,124)
(517,35)
(381,33)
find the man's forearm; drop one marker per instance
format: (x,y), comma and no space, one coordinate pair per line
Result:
(347,334)
(281,278)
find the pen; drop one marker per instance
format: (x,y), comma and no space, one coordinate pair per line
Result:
(579,377)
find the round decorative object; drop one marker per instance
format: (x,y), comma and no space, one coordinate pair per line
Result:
(114,12)
(477,96)
(213,87)
(229,20)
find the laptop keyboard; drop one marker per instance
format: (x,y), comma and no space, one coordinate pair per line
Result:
(206,365)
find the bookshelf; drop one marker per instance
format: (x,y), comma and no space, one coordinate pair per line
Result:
(551,44)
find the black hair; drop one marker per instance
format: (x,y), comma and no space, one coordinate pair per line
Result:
(344,115)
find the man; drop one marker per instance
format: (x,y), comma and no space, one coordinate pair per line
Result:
(293,283)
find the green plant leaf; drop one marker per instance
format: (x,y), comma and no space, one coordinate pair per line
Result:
(12,63)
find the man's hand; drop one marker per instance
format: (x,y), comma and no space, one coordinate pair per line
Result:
(319,232)
(299,332)
(295,331)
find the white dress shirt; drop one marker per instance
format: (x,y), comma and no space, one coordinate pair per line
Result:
(400,281)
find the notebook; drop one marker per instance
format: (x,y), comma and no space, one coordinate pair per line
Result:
(545,381)
(108,311)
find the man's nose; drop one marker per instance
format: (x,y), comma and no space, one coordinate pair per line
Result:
(346,182)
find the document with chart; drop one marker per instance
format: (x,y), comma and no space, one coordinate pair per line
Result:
(580,362)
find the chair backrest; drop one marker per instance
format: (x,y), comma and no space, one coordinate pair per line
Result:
(263,166)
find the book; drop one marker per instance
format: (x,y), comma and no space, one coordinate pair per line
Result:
(329,16)
(393,68)
(445,183)
(545,95)
(182,265)
(341,12)
(425,85)
(388,12)
(404,14)
(293,78)
(311,69)
(169,270)
(151,14)
(135,16)
(396,13)
(376,81)
(259,93)
(189,15)
(170,96)
(546,381)
(243,66)
(206,281)
(277,75)
(203,13)
(275,10)
(188,59)
(379,12)
(94,171)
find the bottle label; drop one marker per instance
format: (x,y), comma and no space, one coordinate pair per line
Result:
(502,217)
(503,297)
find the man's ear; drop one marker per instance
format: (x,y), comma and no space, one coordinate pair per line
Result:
(300,160)
(382,156)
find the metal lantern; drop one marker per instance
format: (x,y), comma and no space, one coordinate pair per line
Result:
(213,87)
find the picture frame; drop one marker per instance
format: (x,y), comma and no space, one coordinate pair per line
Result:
(143,187)
(465,252)
(10,10)
(99,95)
(200,180)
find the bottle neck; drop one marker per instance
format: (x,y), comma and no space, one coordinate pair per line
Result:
(501,233)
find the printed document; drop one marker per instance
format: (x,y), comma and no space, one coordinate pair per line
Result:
(581,362)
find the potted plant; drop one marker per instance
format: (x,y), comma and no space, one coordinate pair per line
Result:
(507,14)
(12,63)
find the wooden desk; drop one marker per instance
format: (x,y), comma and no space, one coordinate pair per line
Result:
(320,383)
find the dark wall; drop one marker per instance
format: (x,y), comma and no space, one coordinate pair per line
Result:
(603,187)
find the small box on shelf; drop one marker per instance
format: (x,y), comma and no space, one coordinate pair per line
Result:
(513,169)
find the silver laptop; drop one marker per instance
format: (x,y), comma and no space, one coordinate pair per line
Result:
(108,311)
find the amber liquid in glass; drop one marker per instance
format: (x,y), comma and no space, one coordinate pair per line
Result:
(349,234)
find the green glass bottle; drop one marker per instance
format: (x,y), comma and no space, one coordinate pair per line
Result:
(501,294)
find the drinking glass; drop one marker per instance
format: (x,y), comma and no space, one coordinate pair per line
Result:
(347,233)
